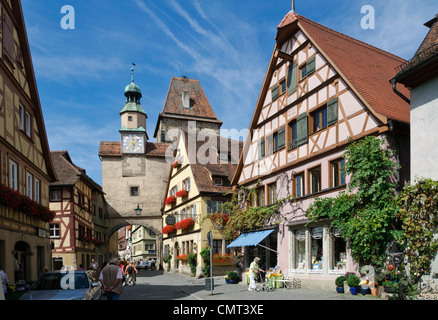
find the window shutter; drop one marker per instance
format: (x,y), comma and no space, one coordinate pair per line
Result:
(310,65)
(292,78)
(281,138)
(269,144)
(332,111)
(302,133)
(8,38)
(261,148)
(274,92)
(188,184)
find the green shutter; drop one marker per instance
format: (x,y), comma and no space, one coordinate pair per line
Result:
(274,92)
(302,135)
(261,148)
(310,65)
(332,111)
(269,144)
(292,78)
(281,138)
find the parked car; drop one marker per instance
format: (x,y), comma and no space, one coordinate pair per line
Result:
(64,285)
(145,265)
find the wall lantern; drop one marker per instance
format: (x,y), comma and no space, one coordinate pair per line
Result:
(138,210)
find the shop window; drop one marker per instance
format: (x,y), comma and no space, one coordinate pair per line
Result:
(300,249)
(339,257)
(316,248)
(337,172)
(315,180)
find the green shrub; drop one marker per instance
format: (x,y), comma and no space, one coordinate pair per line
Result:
(340,281)
(353,281)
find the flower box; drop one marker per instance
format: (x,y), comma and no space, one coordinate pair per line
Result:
(222,259)
(169,229)
(183,257)
(185,224)
(170,200)
(182,193)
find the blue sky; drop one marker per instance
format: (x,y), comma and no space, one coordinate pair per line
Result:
(225,44)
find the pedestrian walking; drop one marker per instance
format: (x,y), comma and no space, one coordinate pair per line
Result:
(4,280)
(111,278)
(93,267)
(254,270)
(132,273)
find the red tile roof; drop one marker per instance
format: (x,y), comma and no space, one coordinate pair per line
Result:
(114,149)
(367,68)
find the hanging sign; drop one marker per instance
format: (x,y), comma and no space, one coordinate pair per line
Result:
(170,220)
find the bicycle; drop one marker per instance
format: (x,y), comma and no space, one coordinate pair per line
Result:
(264,285)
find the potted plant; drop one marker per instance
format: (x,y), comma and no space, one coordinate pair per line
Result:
(353,282)
(231,277)
(388,286)
(374,287)
(340,284)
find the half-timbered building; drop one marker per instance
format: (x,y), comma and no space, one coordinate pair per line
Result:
(321,88)
(26,167)
(76,199)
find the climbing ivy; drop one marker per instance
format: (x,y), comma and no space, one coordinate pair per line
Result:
(419,214)
(365,213)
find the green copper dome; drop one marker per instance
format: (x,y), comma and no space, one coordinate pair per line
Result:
(132,88)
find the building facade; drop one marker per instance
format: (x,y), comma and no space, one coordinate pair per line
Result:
(321,89)
(26,166)
(78,230)
(194,191)
(143,244)
(420,75)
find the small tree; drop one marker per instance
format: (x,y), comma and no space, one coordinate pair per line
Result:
(365,214)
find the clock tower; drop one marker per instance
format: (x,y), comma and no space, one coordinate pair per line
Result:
(133,118)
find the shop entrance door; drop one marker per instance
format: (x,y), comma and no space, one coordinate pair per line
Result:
(21,250)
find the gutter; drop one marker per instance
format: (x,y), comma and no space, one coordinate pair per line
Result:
(394,88)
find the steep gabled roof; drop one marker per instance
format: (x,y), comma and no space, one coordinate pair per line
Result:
(366,68)
(200,108)
(67,172)
(424,64)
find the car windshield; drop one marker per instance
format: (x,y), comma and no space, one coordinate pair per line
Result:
(62,280)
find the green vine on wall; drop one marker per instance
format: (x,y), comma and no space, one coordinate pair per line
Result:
(419,214)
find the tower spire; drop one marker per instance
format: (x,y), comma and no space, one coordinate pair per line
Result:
(132,72)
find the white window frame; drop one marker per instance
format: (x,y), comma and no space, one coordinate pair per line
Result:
(55,231)
(29,185)
(13,175)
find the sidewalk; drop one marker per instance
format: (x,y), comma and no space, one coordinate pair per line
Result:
(223,291)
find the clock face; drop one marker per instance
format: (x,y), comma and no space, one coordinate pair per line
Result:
(133,143)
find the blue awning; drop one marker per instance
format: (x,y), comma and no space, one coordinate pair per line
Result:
(250,238)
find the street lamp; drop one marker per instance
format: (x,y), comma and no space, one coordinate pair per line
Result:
(138,210)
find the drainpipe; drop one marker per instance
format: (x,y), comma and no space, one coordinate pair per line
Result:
(397,154)
(394,88)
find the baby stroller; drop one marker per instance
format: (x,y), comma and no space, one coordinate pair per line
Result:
(263,284)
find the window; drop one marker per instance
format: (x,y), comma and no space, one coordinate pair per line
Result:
(315,180)
(8,38)
(55,194)
(308,68)
(186,184)
(276,141)
(272,193)
(37,196)
(81,199)
(337,172)
(319,119)
(213,206)
(54,230)
(28,124)
(21,117)
(217,246)
(261,148)
(300,249)
(13,175)
(292,135)
(258,198)
(218,181)
(29,185)
(129,118)
(282,87)
(134,192)
(316,248)
(298,185)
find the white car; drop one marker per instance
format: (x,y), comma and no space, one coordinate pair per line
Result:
(64,285)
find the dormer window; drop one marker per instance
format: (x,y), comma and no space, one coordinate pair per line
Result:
(186,99)
(218,181)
